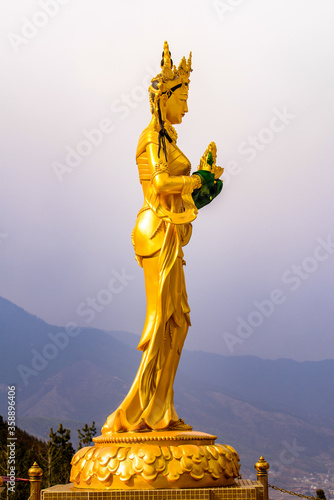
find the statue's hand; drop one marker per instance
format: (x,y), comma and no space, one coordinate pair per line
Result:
(209,173)
(210,188)
(208,161)
(206,177)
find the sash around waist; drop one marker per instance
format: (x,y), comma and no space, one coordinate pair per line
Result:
(149,233)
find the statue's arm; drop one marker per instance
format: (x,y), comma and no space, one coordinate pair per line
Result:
(165,183)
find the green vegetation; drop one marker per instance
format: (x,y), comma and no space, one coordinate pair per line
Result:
(28,449)
(86,435)
(53,456)
(57,463)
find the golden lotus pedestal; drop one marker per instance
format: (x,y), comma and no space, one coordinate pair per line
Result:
(154,460)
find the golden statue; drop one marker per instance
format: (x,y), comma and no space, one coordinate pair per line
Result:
(172,198)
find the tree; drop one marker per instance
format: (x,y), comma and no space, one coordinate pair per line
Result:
(28,449)
(86,435)
(59,456)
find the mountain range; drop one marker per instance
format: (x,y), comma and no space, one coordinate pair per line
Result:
(282,409)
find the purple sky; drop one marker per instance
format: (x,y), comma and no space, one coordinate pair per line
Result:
(260,265)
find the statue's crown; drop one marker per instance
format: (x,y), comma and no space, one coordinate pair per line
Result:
(170,76)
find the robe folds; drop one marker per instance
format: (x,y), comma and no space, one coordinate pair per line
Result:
(162,228)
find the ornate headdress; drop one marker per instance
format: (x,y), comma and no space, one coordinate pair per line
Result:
(170,78)
(164,84)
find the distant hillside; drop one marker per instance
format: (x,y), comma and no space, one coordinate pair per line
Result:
(300,389)
(281,409)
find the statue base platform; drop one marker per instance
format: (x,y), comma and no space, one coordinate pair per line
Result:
(242,489)
(154,460)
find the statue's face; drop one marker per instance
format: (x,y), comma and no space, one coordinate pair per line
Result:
(176,106)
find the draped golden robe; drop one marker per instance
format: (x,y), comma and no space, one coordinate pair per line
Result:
(162,228)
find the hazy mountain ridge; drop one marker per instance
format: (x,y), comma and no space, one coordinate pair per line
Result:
(300,389)
(258,406)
